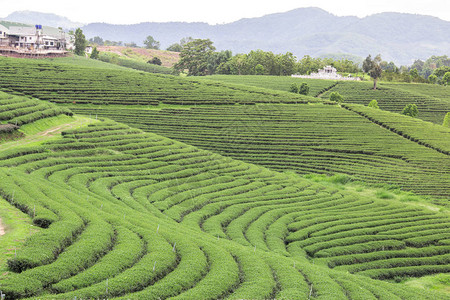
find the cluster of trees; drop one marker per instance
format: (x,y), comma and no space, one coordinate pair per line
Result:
(430,71)
(199,57)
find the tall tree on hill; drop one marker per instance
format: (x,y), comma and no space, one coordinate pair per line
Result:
(80,42)
(151,43)
(194,57)
(373,68)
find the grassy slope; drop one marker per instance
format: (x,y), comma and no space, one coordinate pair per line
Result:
(262,270)
(168,58)
(433,100)
(282,83)
(308,139)
(201,237)
(393,98)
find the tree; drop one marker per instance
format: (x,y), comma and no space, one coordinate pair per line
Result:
(336,97)
(97,41)
(446,120)
(303,89)
(259,69)
(373,68)
(373,104)
(155,61)
(95,53)
(367,64)
(294,88)
(446,78)
(175,48)
(410,110)
(218,58)
(432,79)
(130,44)
(151,43)
(194,57)
(80,42)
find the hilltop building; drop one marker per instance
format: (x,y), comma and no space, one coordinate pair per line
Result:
(327,72)
(25,40)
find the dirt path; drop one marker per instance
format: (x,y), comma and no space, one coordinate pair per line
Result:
(2,229)
(44,135)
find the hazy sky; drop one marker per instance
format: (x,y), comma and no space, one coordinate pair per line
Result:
(213,12)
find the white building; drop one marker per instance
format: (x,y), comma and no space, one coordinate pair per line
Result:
(327,72)
(32,38)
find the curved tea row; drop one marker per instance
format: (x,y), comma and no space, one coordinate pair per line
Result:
(324,139)
(129,214)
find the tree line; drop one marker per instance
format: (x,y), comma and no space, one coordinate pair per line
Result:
(199,57)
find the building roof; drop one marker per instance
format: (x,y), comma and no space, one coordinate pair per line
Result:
(21,31)
(27,29)
(8,24)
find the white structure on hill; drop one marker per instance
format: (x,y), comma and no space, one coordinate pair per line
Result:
(23,37)
(327,72)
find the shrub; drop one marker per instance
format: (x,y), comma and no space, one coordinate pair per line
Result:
(432,79)
(336,97)
(410,110)
(373,104)
(446,120)
(155,61)
(294,88)
(304,89)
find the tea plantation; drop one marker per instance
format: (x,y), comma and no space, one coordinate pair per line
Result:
(64,83)
(136,215)
(198,192)
(393,97)
(322,139)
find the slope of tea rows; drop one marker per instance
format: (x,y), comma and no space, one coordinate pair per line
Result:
(134,215)
(64,83)
(393,98)
(282,83)
(310,139)
(19,110)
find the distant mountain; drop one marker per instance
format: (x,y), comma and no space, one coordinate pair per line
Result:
(32,17)
(398,37)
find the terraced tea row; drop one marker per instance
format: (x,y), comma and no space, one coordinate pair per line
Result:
(19,110)
(282,83)
(199,225)
(63,83)
(310,139)
(392,97)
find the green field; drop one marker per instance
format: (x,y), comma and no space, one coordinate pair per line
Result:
(64,83)
(433,101)
(187,193)
(306,138)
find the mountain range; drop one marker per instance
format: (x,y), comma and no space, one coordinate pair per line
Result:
(398,37)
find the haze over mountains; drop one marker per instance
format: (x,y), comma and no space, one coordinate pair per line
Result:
(399,37)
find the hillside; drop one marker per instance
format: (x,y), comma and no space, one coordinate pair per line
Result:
(401,38)
(308,139)
(168,58)
(203,193)
(195,224)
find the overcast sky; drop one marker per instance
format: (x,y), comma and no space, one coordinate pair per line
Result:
(213,12)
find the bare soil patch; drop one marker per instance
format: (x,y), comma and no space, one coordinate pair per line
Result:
(2,229)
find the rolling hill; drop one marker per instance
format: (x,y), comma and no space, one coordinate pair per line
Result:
(208,200)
